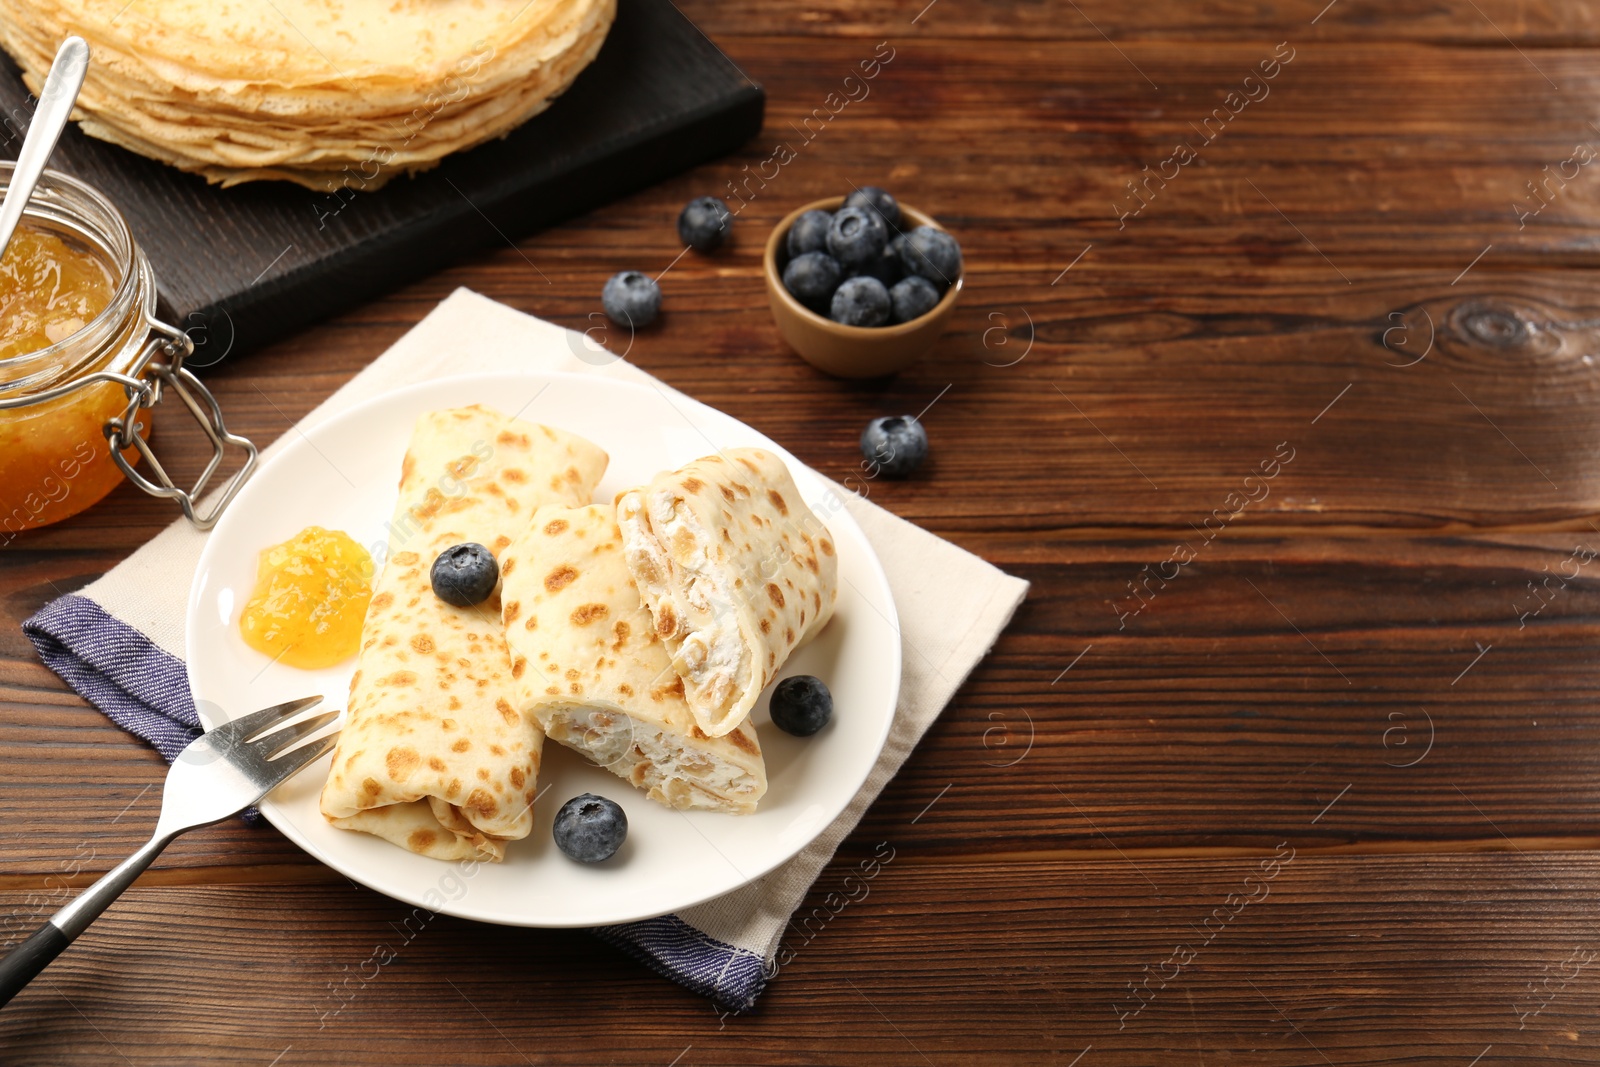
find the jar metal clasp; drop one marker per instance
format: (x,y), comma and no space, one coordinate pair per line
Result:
(159,368)
(153,376)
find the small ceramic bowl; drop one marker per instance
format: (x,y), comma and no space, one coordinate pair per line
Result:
(849,351)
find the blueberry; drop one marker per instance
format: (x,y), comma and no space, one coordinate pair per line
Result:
(885,266)
(860,302)
(897,445)
(812,278)
(855,235)
(809,233)
(590,828)
(880,200)
(464,575)
(912,298)
(705,223)
(631,299)
(933,254)
(801,705)
(896,248)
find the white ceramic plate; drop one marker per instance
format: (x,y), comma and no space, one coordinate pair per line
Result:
(342,475)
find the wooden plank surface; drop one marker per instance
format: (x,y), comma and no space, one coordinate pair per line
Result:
(1282,959)
(1543,23)
(1131,409)
(1353,665)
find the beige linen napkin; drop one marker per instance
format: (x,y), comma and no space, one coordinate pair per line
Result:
(726,948)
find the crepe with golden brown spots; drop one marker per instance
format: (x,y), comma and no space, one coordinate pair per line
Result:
(591,669)
(736,571)
(434,755)
(332,94)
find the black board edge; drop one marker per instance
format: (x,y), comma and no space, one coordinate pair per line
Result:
(392,258)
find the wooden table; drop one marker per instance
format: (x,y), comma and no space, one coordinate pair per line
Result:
(1287,769)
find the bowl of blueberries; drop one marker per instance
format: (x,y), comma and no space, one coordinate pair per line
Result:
(861,285)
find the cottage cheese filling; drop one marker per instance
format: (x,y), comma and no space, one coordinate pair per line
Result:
(679,571)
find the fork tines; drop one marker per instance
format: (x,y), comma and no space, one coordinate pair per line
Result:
(279,741)
(246,726)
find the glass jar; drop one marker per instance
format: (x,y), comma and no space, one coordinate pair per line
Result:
(70,426)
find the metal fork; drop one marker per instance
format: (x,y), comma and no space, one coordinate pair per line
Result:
(219,774)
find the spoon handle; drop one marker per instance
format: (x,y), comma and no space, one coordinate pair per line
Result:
(60,92)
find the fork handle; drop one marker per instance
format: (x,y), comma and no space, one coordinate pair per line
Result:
(25,961)
(29,958)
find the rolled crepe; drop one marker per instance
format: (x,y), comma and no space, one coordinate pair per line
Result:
(434,755)
(591,670)
(736,571)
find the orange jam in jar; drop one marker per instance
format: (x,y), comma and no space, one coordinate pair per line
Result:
(310,599)
(76,299)
(82,359)
(49,290)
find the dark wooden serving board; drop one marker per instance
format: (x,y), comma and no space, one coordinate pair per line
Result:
(243,266)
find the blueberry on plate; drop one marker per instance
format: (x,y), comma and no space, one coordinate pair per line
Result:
(801,705)
(880,200)
(631,299)
(885,266)
(896,444)
(855,235)
(811,278)
(933,254)
(464,575)
(809,233)
(911,298)
(860,302)
(590,828)
(705,223)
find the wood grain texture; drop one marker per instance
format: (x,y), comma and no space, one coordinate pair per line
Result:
(1540,24)
(1146,734)
(1146,397)
(1209,302)
(1292,959)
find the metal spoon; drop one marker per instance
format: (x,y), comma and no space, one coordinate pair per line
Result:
(60,92)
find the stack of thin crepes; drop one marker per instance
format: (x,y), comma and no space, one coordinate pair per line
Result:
(327,93)
(641,644)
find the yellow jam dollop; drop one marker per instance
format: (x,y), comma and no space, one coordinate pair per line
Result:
(49,290)
(310,599)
